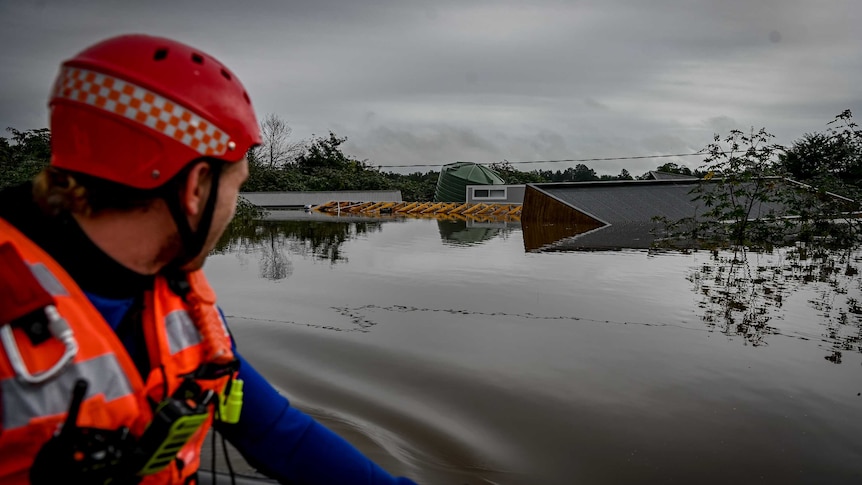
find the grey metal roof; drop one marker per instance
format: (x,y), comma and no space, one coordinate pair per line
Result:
(635,201)
(628,207)
(274,200)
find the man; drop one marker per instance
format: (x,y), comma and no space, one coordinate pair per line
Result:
(115,359)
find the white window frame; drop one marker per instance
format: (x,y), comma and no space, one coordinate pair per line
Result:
(490,190)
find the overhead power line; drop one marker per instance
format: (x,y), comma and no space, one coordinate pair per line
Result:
(639,157)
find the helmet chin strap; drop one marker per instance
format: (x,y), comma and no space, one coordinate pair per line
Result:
(193,240)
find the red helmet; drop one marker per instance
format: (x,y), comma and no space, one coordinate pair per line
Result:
(136,109)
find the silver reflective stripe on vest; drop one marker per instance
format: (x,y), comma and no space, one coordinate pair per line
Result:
(23,402)
(182,332)
(47,279)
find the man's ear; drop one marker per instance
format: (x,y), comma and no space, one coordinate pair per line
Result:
(196,189)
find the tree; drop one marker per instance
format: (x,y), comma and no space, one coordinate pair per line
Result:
(415,186)
(514,176)
(550,175)
(742,167)
(671,167)
(737,194)
(808,156)
(831,160)
(848,137)
(277,150)
(830,166)
(21,160)
(580,173)
(324,152)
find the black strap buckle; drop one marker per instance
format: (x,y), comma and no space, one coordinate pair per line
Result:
(211,371)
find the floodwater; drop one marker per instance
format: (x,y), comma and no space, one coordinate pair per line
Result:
(451,355)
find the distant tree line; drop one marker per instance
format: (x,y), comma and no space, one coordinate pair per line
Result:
(829,160)
(321,164)
(316,164)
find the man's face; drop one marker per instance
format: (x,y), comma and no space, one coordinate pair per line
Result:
(232,177)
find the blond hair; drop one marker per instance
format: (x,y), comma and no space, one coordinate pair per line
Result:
(58,191)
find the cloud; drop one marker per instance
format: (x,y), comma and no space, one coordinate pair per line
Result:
(409,81)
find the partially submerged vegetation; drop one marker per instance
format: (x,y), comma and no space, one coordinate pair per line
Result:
(743,172)
(247,213)
(798,209)
(757,194)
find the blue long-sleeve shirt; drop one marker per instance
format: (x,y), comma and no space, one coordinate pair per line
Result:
(276,438)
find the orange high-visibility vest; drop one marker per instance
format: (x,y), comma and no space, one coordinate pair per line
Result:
(117,396)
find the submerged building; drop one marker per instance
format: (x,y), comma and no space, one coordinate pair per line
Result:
(610,214)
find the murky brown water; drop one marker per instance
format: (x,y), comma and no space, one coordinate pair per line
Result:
(451,355)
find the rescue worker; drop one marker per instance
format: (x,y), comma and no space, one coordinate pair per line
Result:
(115,360)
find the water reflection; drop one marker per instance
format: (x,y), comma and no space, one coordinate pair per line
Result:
(276,239)
(470,232)
(273,264)
(538,236)
(743,293)
(482,363)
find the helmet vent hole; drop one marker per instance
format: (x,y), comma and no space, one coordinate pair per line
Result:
(225,74)
(197,58)
(160,54)
(245,95)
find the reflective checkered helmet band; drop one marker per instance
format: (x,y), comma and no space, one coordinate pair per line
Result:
(142,106)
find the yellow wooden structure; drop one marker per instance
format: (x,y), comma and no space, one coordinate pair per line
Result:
(436,210)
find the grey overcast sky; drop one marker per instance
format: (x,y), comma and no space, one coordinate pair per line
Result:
(434,82)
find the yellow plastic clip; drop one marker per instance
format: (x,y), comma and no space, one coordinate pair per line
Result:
(230,405)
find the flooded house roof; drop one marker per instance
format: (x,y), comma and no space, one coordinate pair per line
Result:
(627,202)
(609,215)
(296,200)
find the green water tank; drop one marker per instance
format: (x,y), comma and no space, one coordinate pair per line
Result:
(455,177)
